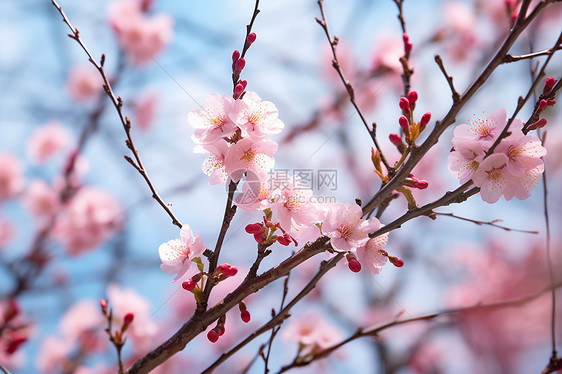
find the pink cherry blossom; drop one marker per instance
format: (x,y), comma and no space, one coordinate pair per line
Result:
(41,199)
(177,255)
(485,130)
(251,155)
(255,195)
(84,82)
(143,329)
(255,117)
(53,352)
(145,110)
(90,218)
(293,205)
(84,322)
(11,176)
(524,152)
(6,231)
(141,38)
(215,165)
(466,157)
(345,227)
(212,121)
(312,331)
(369,255)
(493,179)
(47,141)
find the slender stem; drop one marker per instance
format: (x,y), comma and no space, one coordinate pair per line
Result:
(4,370)
(544,52)
(349,88)
(489,223)
(281,316)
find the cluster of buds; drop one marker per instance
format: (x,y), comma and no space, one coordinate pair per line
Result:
(217,331)
(410,128)
(117,336)
(264,232)
(238,64)
(221,273)
(544,102)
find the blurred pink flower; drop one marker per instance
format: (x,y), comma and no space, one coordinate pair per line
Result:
(177,255)
(53,352)
(143,329)
(47,141)
(11,176)
(84,82)
(6,231)
(141,38)
(41,199)
(91,217)
(312,331)
(145,110)
(84,322)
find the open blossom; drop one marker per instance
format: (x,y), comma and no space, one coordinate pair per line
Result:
(515,167)
(293,205)
(345,227)
(11,176)
(84,323)
(47,141)
(177,255)
(255,117)
(212,122)
(215,165)
(370,256)
(91,217)
(141,38)
(41,199)
(251,155)
(83,83)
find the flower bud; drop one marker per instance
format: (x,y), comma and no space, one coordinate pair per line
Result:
(245,316)
(238,91)
(542,105)
(213,336)
(239,65)
(404,124)
(253,228)
(537,125)
(425,120)
(103,304)
(396,261)
(354,265)
(549,83)
(251,39)
(188,285)
(422,185)
(404,104)
(412,97)
(235,56)
(395,139)
(128,318)
(227,270)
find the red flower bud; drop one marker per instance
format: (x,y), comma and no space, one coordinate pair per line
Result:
(238,91)
(128,318)
(354,265)
(404,124)
(253,228)
(395,139)
(227,270)
(422,185)
(412,97)
(425,120)
(549,83)
(188,285)
(408,48)
(239,65)
(15,344)
(542,105)
(250,39)
(396,261)
(404,104)
(213,336)
(235,56)
(245,316)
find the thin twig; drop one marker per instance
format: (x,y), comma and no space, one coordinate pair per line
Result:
(544,52)
(281,316)
(349,88)
(454,92)
(404,60)
(4,370)
(275,330)
(489,223)
(374,331)
(118,104)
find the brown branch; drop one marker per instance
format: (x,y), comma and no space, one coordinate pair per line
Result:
(544,52)
(454,93)
(4,370)
(348,86)
(374,331)
(199,322)
(235,76)
(450,117)
(118,104)
(282,315)
(489,223)
(404,60)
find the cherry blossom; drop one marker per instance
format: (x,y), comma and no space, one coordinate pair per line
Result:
(11,176)
(312,331)
(141,38)
(47,141)
(212,122)
(90,218)
(345,227)
(53,352)
(83,322)
(485,130)
(177,255)
(292,203)
(250,155)
(83,83)
(493,180)
(145,110)
(255,117)
(215,165)
(370,256)
(41,199)
(465,159)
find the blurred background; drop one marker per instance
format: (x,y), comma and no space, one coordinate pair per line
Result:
(60,254)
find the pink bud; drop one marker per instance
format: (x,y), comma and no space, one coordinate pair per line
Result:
(408,48)
(404,105)
(283,241)
(251,38)
(244,83)
(542,104)
(258,237)
(235,56)
(404,124)
(395,139)
(238,90)
(103,304)
(425,120)
(253,228)
(128,318)
(396,261)
(227,270)
(537,125)
(412,97)
(245,316)
(213,336)
(405,37)
(354,265)
(188,285)
(239,65)
(422,185)
(222,330)
(549,83)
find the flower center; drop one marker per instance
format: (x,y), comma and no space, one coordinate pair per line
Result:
(346,232)
(249,155)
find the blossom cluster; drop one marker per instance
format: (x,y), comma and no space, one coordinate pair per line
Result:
(512,170)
